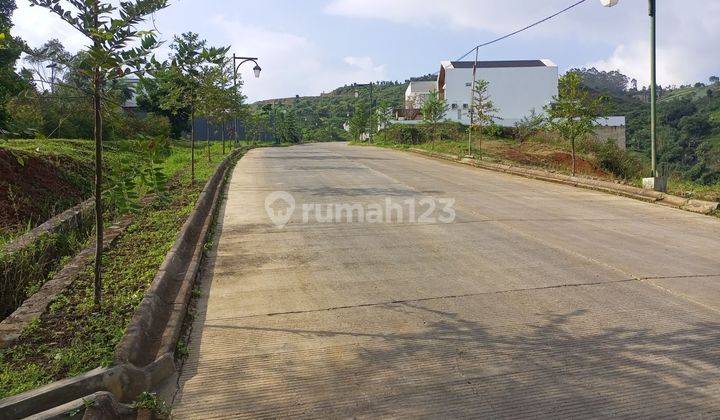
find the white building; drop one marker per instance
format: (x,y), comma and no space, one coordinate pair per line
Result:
(417,92)
(516,87)
(611,128)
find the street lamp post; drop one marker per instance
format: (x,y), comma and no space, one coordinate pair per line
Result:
(236,67)
(52,67)
(656,182)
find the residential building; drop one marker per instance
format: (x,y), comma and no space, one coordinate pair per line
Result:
(611,128)
(417,92)
(516,87)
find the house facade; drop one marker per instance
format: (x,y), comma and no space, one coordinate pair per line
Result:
(611,128)
(516,87)
(417,93)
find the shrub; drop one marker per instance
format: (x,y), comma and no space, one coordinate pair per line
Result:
(617,161)
(126,125)
(529,126)
(26,119)
(419,133)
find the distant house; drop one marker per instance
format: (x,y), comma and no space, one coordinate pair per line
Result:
(516,87)
(417,92)
(611,128)
(131,84)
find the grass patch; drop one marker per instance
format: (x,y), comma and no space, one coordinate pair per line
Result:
(73,337)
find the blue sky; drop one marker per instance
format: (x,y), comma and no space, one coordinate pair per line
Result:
(310,46)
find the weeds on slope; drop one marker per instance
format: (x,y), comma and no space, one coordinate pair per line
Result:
(73,337)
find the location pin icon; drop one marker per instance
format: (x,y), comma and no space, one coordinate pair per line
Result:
(280,206)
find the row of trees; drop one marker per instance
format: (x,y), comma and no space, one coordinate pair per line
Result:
(572,114)
(81,95)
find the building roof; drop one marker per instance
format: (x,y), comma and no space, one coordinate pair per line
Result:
(422,87)
(497,64)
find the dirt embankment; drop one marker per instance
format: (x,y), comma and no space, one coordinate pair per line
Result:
(555,160)
(34,188)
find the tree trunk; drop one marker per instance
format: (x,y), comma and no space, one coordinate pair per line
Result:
(573,156)
(192,144)
(98,188)
(480,137)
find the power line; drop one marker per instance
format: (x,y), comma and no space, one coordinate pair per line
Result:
(522,29)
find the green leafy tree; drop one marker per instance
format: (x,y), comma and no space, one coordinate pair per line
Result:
(433,112)
(151,94)
(358,121)
(10,49)
(482,107)
(48,64)
(220,100)
(574,111)
(190,55)
(111,31)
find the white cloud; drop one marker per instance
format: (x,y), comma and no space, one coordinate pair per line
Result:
(37,25)
(292,64)
(456,13)
(688,30)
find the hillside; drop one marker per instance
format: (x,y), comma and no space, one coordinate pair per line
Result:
(322,117)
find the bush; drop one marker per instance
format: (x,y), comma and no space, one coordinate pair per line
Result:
(419,133)
(26,119)
(128,125)
(617,161)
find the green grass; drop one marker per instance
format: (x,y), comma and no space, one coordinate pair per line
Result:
(73,337)
(694,190)
(493,152)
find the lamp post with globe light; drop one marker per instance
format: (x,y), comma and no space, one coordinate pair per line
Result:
(236,67)
(656,182)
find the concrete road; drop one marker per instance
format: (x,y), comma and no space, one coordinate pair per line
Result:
(539,300)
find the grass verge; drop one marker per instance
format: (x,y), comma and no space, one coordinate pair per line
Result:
(594,161)
(73,337)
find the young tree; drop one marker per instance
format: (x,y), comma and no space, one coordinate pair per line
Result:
(358,121)
(111,31)
(189,56)
(433,111)
(10,49)
(482,108)
(714,79)
(573,112)
(529,125)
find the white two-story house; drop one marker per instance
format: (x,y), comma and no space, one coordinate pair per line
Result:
(516,87)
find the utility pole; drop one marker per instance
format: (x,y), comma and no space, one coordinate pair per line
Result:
(655,182)
(653,93)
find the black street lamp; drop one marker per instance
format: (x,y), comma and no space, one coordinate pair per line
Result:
(52,67)
(236,67)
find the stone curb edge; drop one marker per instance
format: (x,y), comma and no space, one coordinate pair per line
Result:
(696,206)
(144,358)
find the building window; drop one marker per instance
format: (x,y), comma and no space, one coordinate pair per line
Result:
(453,106)
(465,106)
(468,84)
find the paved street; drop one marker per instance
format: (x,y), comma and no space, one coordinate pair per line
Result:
(539,300)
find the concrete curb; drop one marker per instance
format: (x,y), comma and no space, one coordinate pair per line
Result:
(65,221)
(696,206)
(34,306)
(144,358)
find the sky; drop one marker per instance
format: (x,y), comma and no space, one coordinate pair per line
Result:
(306,47)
